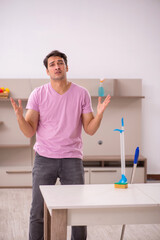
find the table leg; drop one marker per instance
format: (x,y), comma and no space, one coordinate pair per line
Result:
(59,224)
(47,223)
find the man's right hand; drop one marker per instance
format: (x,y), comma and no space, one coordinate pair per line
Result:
(29,123)
(17,108)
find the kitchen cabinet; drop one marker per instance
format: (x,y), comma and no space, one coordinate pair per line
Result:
(101,161)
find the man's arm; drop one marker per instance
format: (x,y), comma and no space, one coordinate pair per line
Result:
(91,123)
(28,125)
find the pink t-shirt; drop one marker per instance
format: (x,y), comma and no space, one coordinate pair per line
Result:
(59,129)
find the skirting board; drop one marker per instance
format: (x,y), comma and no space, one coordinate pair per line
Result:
(153,176)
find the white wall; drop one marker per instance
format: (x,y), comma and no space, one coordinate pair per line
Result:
(102,38)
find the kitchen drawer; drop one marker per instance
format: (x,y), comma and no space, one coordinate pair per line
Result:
(15,177)
(112,175)
(104,175)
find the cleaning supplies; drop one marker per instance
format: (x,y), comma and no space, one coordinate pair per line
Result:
(123,181)
(101,89)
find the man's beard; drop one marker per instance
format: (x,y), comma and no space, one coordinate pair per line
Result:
(58,78)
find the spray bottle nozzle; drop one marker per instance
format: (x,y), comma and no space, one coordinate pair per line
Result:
(101,80)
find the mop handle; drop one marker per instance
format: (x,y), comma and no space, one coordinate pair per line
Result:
(135,163)
(122,153)
(122,147)
(121,131)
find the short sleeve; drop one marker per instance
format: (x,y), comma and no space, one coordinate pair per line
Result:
(33,101)
(87,105)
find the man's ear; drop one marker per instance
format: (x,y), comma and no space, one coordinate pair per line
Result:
(67,68)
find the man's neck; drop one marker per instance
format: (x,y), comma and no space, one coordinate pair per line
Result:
(60,86)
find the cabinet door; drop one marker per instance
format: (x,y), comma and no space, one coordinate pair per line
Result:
(9,129)
(139,176)
(104,175)
(86,175)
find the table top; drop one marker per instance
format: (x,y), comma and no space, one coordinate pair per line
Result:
(100,196)
(152,190)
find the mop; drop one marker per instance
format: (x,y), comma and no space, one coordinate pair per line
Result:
(123,181)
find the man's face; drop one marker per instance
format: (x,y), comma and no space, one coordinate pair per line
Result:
(57,68)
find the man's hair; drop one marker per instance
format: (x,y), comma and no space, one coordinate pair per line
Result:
(54,53)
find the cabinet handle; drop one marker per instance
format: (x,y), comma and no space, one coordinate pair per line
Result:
(17,172)
(103,170)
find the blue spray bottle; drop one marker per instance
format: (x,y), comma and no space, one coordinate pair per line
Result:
(101,89)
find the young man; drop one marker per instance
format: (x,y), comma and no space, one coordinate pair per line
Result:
(56,112)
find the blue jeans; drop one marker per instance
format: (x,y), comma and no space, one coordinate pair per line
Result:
(45,172)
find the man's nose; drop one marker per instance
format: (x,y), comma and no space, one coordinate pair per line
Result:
(57,66)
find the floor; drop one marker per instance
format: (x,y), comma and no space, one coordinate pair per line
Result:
(14,218)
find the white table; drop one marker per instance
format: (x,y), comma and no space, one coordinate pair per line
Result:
(98,205)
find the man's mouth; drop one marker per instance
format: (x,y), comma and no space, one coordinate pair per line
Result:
(58,72)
